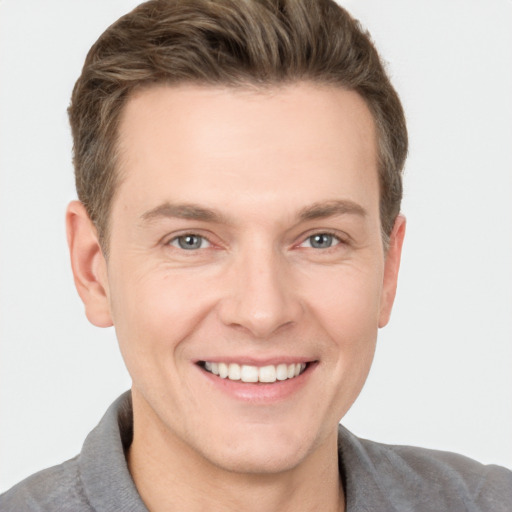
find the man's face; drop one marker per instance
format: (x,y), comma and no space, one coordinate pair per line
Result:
(245,234)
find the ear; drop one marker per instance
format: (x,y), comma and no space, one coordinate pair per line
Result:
(391,267)
(88,264)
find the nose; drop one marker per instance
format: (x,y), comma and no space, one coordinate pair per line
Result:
(261,297)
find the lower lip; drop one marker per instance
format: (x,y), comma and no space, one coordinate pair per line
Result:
(259,392)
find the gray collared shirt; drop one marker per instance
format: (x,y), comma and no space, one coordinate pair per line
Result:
(376,477)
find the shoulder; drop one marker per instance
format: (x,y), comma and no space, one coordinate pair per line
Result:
(428,479)
(97,479)
(55,488)
(442,470)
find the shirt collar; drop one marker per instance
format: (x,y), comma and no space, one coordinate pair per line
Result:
(109,486)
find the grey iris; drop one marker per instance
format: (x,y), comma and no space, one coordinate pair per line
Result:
(321,241)
(190,242)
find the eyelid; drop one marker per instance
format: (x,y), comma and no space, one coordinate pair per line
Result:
(341,237)
(176,239)
(335,242)
(171,237)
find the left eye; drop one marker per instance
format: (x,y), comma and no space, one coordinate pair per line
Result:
(190,242)
(321,241)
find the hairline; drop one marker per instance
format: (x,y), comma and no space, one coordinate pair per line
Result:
(242,85)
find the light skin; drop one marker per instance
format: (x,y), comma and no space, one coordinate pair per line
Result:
(277,192)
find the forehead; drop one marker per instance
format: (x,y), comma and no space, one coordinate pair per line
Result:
(202,144)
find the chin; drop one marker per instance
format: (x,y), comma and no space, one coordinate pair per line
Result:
(262,451)
(256,462)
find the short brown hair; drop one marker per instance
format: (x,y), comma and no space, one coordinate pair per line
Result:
(234,43)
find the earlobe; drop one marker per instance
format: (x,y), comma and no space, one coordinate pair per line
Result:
(88,265)
(391,268)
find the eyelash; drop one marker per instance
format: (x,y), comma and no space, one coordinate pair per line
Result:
(185,235)
(336,238)
(176,239)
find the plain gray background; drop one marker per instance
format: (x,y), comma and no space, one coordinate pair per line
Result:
(442,376)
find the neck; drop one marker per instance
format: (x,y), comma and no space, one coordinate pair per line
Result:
(170,475)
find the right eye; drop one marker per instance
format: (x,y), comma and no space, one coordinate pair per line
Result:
(190,242)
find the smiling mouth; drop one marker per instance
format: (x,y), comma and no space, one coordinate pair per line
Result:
(251,374)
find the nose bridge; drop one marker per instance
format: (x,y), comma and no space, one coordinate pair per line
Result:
(261,297)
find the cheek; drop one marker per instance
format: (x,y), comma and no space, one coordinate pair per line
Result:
(347,303)
(348,315)
(153,314)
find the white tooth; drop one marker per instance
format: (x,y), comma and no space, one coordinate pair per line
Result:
(223,370)
(282,372)
(249,373)
(234,371)
(267,373)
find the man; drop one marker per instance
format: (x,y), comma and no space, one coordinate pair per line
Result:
(238,168)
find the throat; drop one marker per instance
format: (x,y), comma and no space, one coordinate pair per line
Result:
(171,475)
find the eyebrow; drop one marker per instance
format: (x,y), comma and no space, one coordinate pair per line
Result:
(184,211)
(330,209)
(190,211)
